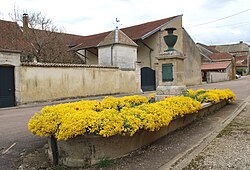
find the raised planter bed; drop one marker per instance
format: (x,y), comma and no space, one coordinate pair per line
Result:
(90,149)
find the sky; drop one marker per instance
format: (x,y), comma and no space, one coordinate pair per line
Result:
(207,21)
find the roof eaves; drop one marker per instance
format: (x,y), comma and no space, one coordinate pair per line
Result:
(206,56)
(9,50)
(158,28)
(203,47)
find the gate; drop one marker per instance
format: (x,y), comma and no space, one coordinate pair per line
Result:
(147,79)
(7,87)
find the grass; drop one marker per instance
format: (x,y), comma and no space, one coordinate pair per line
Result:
(104,163)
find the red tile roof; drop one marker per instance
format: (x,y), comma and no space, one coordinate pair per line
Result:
(241,61)
(215,65)
(212,48)
(11,36)
(209,48)
(221,56)
(134,32)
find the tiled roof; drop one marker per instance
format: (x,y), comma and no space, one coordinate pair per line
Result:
(11,37)
(134,32)
(215,65)
(233,48)
(209,48)
(121,39)
(221,56)
(241,61)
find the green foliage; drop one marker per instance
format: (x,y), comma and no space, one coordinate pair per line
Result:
(104,163)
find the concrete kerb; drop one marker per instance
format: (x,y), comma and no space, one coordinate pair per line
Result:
(48,103)
(183,159)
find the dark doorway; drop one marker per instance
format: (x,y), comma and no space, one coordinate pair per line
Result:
(7,87)
(147,79)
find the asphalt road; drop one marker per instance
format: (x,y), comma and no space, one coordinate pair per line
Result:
(15,136)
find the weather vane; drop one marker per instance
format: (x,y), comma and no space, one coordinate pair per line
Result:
(116,23)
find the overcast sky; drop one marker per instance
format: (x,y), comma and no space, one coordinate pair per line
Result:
(85,17)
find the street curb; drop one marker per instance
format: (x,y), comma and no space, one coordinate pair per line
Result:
(183,159)
(49,103)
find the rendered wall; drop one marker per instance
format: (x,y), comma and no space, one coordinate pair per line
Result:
(53,83)
(123,56)
(192,62)
(213,77)
(91,58)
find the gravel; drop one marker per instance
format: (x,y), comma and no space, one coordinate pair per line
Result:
(231,148)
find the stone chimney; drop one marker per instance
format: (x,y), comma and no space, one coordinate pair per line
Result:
(25,22)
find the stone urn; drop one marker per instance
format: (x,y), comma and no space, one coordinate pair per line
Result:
(170,39)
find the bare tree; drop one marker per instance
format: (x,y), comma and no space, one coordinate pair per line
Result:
(48,43)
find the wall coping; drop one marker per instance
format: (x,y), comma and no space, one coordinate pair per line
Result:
(29,64)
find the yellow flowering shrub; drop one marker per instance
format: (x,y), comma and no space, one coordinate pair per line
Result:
(211,95)
(109,117)
(124,116)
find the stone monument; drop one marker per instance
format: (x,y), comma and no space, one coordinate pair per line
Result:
(170,69)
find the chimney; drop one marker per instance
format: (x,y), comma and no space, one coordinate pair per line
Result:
(25,22)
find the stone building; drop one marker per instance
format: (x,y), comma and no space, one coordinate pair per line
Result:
(216,66)
(77,66)
(149,39)
(241,52)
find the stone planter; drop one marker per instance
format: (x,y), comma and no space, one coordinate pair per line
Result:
(90,149)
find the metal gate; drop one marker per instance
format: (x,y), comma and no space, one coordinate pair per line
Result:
(7,87)
(147,79)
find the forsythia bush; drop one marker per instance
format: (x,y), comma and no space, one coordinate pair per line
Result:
(209,95)
(123,116)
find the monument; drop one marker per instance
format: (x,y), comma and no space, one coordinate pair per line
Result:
(170,69)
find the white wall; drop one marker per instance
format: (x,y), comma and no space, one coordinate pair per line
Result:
(53,83)
(213,77)
(123,56)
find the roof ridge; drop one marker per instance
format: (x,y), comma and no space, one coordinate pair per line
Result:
(1,20)
(133,25)
(152,21)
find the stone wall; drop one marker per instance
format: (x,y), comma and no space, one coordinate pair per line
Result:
(53,82)
(192,61)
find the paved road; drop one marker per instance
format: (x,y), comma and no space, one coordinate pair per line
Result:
(14,132)
(13,125)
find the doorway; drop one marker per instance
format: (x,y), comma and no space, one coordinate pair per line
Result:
(7,86)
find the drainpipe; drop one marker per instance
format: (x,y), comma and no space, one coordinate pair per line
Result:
(111,59)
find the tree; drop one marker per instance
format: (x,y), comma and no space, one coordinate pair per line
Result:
(47,43)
